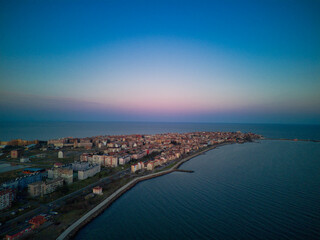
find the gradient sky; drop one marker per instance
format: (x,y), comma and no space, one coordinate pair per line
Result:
(189,61)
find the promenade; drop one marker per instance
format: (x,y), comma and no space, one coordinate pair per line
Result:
(71,230)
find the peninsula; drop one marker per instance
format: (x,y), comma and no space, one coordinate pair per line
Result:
(69,181)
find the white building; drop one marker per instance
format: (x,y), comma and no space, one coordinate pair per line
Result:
(97,190)
(124,159)
(24,160)
(78,166)
(60,154)
(89,171)
(65,172)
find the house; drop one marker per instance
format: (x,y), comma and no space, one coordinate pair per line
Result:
(124,159)
(97,190)
(17,233)
(16,153)
(150,166)
(37,221)
(137,166)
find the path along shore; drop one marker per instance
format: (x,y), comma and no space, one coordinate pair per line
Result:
(85,219)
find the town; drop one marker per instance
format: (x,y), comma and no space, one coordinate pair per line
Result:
(50,179)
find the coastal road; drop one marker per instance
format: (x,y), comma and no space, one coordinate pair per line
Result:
(81,221)
(45,208)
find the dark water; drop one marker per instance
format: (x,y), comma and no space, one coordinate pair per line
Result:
(267,190)
(51,130)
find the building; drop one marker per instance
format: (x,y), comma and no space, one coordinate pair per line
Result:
(78,166)
(57,165)
(60,154)
(139,155)
(124,159)
(42,188)
(37,221)
(85,169)
(34,189)
(24,160)
(30,146)
(133,168)
(84,157)
(150,166)
(23,182)
(16,153)
(97,159)
(110,161)
(56,142)
(87,145)
(90,171)
(13,184)
(65,172)
(6,198)
(17,233)
(51,185)
(97,190)
(137,166)
(33,170)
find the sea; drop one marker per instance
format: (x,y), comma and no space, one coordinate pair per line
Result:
(268,189)
(54,130)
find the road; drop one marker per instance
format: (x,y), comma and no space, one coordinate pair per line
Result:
(70,230)
(45,208)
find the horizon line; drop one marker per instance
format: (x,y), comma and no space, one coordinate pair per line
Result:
(172,122)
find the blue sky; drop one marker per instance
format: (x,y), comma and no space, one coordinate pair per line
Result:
(207,61)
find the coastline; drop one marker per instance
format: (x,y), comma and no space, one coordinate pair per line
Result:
(71,231)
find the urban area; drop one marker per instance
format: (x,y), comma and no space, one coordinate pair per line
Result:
(46,185)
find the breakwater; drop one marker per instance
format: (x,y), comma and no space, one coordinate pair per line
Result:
(182,170)
(93,213)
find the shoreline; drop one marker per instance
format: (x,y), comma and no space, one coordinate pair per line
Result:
(291,139)
(71,231)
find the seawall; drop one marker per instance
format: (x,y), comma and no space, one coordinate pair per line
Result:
(93,213)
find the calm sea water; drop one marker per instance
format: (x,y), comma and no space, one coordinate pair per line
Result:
(51,130)
(267,190)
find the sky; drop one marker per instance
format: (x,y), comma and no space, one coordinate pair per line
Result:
(165,61)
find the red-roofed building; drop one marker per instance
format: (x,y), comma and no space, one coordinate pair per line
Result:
(57,164)
(16,234)
(37,221)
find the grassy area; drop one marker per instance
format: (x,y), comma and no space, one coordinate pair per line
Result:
(67,189)
(51,156)
(75,208)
